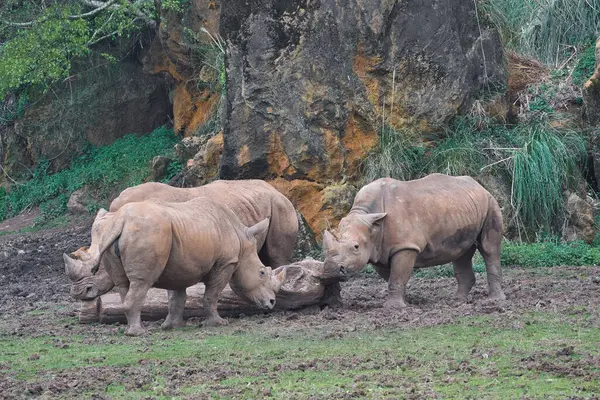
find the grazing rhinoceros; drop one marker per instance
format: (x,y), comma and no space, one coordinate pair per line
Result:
(397,226)
(251,200)
(174,246)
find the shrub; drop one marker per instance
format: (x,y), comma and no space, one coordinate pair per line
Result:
(548,254)
(545,164)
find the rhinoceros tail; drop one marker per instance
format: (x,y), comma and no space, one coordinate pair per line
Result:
(104,234)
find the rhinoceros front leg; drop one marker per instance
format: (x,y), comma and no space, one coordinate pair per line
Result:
(214,285)
(401,267)
(176,306)
(134,300)
(463,272)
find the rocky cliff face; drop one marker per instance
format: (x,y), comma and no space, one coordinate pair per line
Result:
(309,84)
(305,88)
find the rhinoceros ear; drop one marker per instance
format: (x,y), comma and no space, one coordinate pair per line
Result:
(372,219)
(279,277)
(328,239)
(259,229)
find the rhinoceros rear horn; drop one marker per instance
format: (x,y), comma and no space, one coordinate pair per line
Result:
(279,277)
(73,268)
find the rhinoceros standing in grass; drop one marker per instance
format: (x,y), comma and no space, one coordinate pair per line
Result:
(397,226)
(174,246)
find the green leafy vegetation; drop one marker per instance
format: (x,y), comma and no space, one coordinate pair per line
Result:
(550,253)
(531,354)
(547,253)
(103,170)
(40,40)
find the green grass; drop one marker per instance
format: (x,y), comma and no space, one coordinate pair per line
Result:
(545,163)
(538,161)
(549,30)
(103,170)
(585,65)
(474,357)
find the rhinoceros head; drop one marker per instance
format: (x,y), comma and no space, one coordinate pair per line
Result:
(253,281)
(85,286)
(349,250)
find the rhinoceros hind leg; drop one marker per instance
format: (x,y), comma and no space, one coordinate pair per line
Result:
(402,265)
(134,300)
(489,246)
(176,306)
(463,272)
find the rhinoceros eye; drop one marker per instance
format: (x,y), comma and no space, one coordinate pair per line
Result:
(356,247)
(262,273)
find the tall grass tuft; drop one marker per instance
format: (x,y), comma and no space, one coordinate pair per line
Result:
(545,165)
(399,156)
(549,30)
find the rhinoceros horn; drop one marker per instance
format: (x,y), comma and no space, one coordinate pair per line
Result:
(279,276)
(74,268)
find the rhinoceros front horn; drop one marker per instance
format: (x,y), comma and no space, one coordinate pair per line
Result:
(73,268)
(279,276)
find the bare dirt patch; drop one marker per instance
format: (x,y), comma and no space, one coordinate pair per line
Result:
(35,302)
(23,220)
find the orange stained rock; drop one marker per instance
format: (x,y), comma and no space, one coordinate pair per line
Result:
(214,150)
(362,66)
(359,140)
(307,197)
(278,160)
(243,156)
(183,108)
(204,109)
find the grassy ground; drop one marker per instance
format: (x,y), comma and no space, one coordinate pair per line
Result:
(540,354)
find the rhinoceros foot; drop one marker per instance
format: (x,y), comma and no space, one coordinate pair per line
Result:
(497,296)
(394,304)
(135,331)
(172,324)
(214,321)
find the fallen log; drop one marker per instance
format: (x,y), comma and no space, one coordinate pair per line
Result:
(303,287)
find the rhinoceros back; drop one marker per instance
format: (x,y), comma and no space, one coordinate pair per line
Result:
(439,216)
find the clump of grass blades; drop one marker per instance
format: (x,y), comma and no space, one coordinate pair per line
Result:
(459,153)
(545,29)
(542,168)
(397,157)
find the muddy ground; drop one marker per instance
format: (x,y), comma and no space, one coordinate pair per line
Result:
(34,301)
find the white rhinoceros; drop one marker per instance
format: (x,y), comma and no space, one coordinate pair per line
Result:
(174,246)
(397,226)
